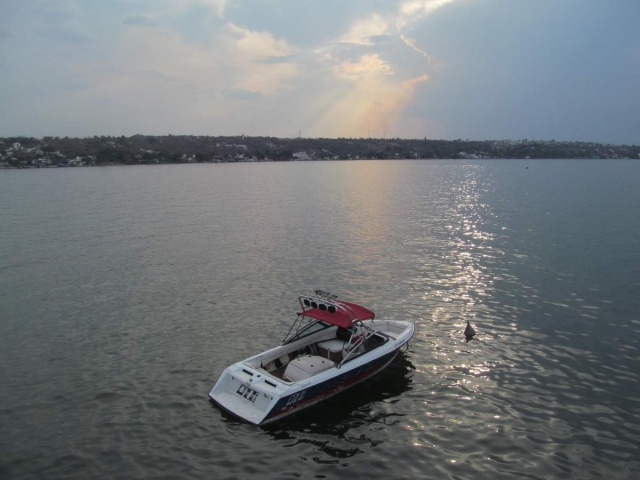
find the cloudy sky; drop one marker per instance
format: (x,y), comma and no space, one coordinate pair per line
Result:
(477,69)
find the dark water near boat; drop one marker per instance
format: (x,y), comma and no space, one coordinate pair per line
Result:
(125,291)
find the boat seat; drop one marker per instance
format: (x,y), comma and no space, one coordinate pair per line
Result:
(331,349)
(284,360)
(307,366)
(333,346)
(277,364)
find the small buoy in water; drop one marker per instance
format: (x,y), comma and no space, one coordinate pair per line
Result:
(527,168)
(469,332)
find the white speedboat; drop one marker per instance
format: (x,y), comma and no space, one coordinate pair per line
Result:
(332,345)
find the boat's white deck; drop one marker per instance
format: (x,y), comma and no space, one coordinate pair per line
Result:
(301,368)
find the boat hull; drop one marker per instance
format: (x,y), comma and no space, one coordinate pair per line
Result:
(320,392)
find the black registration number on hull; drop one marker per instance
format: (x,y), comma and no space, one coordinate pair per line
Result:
(248,393)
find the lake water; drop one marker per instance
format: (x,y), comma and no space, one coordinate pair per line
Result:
(125,291)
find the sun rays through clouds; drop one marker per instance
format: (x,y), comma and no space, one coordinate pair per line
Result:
(378,88)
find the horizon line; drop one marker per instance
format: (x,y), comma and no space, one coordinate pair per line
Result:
(384,139)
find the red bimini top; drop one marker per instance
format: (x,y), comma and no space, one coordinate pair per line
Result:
(344,315)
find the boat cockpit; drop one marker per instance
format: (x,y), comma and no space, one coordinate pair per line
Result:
(326,334)
(317,349)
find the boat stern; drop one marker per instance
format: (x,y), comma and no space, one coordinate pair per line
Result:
(246,393)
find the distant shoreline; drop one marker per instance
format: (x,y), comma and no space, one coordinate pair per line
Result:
(106,165)
(57,152)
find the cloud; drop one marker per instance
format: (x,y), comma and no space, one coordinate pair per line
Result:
(243,60)
(367,65)
(362,31)
(413,10)
(253,54)
(373,58)
(414,82)
(253,45)
(141,20)
(195,67)
(411,43)
(163,82)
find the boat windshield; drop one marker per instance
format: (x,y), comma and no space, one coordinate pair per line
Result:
(308,329)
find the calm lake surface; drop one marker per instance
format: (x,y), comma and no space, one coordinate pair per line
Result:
(125,291)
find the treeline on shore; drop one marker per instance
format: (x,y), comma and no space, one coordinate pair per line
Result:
(142,149)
